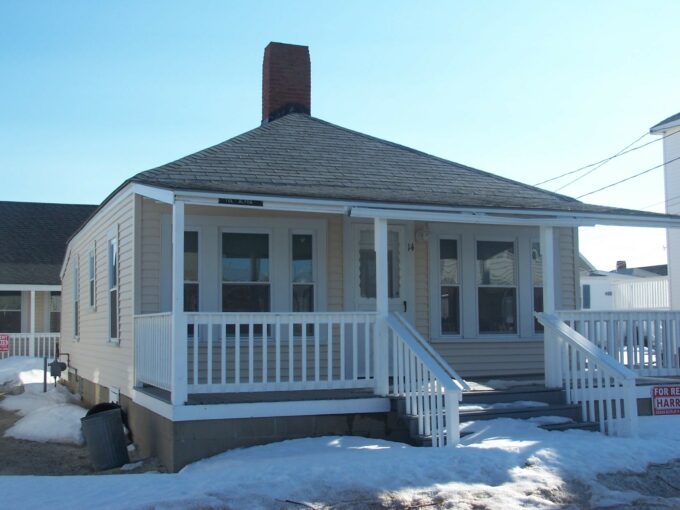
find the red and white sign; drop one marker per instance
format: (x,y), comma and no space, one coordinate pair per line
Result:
(4,343)
(666,399)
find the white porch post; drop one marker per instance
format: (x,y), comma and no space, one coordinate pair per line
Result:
(31,342)
(382,307)
(179,328)
(549,347)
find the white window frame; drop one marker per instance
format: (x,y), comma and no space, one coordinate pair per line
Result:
(435,261)
(516,276)
(76,298)
(113,240)
(315,266)
(199,265)
(92,277)
(270,247)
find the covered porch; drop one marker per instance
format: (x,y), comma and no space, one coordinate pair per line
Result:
(209,364)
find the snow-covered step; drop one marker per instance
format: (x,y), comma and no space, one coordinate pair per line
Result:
(475,413)
(548,396)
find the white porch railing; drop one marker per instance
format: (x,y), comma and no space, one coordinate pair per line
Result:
(430,387)
(604,388)
(31,344)
(646,341)
(242,352)
(153,349)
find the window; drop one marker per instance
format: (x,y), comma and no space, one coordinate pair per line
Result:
(76,298)
(449,285)
(55,311)
(537,282)
(303,272)
(91,270)
(586,297)
(367,264)
(113,288)
(191,271)
(496,287)
(245,272)
(10,312)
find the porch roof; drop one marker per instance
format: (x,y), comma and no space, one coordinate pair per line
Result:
(304,157)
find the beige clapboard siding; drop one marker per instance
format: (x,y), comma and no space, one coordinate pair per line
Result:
(334,266)
(490,359)
(93,355)
(150,256)
(568,263)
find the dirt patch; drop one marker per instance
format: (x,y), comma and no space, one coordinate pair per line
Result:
(20,457)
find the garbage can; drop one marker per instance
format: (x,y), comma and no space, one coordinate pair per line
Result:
(105,439)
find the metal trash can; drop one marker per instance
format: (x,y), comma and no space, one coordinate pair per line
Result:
(105,439)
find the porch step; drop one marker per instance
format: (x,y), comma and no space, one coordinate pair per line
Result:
(547,396)
(570,411)
(589,426)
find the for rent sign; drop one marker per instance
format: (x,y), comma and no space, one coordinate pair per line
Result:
(666,399)
(4,343)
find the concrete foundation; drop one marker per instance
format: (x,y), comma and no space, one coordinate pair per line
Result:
(177,444)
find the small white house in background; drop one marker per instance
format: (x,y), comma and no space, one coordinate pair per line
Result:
(33,239)
(669,129)
(624,288)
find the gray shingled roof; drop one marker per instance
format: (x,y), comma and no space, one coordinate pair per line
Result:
(302,156)
(670,119)
(33,240)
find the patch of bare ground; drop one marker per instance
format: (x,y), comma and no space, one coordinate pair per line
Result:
(20,457)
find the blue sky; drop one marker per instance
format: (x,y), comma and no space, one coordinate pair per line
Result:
(94,92)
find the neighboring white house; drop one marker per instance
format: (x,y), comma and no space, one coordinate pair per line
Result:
(624,288)
(33,240)
(291,280)
(670,129)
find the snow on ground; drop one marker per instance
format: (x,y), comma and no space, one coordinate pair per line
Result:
(504,464)
(518,404)
(500,384)
(20,370)
(50,416)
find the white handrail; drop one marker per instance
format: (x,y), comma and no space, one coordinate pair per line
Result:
(604,388)
(437,357)
(431,395)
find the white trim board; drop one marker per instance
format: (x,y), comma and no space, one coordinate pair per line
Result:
(261,409)
(29,287)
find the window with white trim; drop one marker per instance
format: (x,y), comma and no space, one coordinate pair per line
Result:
(246,285)
(191,285)
(496,287)
(537,282)
(303,272)
(76,297)
(91,275)
(10,311)
(449,286)
(55,311)
(113,287)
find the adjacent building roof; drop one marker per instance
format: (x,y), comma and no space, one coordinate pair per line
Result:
(33,239)
(301,156)
(672,121)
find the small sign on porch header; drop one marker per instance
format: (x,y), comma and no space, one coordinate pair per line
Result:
(4,343)
(666,399)
(239,201)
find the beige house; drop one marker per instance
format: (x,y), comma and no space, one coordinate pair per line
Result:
(289,281)
(33,240)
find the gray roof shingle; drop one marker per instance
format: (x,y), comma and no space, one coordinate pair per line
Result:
(669,120)
(302,156)
(33,239)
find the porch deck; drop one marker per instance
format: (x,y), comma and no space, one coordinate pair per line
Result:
(261,397)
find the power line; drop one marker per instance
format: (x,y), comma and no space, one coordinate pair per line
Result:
(665,202)
(618,154)
(600,165)
(628,178)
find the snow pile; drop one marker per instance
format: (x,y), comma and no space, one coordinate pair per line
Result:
(46,417)
(20,370)
(504,464)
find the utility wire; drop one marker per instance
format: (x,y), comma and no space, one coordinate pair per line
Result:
(620,153)
(628,178)
(665,202)
(600,165)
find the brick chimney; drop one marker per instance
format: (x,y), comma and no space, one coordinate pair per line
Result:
(286,81)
